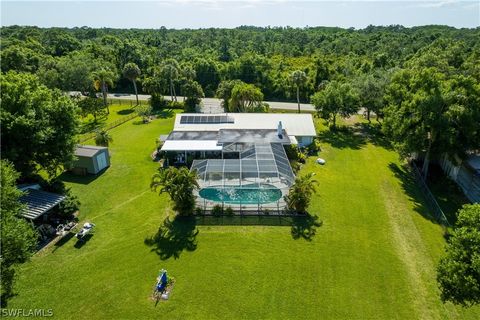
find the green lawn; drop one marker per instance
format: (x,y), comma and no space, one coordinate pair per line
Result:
(373,257)
(117,111)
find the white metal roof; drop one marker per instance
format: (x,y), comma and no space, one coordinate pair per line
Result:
(295,124)
(191,145)
(87,151)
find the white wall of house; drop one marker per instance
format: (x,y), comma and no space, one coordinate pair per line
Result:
(304,141)
(464,176)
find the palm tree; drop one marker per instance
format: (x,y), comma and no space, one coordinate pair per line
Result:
(301,192)
(170,70)
(103,138)
(103,79)
(298,78)
(179,184)
(188,75)
(131,71)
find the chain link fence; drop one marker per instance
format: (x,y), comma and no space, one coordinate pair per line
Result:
(429,197)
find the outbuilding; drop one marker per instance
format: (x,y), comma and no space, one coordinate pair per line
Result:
(90,159)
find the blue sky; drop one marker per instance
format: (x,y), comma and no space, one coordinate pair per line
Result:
(229,14)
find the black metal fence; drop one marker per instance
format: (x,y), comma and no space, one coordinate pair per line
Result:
(126,102)
(429,197)
(90,135)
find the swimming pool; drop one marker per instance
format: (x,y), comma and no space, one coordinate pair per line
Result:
(246,194)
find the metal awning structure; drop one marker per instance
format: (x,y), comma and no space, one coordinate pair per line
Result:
(191,145)
(259,162)
(38,202)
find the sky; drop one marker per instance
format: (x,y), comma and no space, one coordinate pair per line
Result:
(229,14)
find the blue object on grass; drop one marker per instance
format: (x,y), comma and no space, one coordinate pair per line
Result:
(162,280)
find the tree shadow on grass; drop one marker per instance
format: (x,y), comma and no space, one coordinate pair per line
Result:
(81,242)
(343,137)
(244,220)
(447,193)
(91,125)
(174,236)
(373,134)
(124,112)
(165,113)
(413,191)
(70,177)
(63,240)
(305,227)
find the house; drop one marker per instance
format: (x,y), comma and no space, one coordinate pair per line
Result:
(209,133)
(239,158)
(90,159)
(465,173)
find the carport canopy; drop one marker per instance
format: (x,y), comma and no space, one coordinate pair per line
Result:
(37,202)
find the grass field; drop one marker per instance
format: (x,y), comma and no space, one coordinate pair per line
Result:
(373,257)
(117,111)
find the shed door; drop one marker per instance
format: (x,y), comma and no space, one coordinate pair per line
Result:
(101,161)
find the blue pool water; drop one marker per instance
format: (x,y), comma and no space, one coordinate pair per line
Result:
(247,194)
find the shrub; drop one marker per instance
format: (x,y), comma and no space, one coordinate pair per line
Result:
(300,193)
(296,166)
(301,157)
(217,210)
(198,211)
(144,111)
(266,212)
(69,206)
(229,211)
(314,147)
(159,144)
(179,184)
(157,102)
(176,105)
(294,153)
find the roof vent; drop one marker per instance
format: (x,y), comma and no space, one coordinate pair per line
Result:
(280,130)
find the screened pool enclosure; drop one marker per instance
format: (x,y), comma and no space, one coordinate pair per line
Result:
(255,181)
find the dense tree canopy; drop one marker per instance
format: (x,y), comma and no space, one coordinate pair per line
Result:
(264,57)
(246,98)
(38,124)
(18,238)
(335,99)
(459,271)
(431,112)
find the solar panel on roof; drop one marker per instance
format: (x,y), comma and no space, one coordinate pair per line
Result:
(205,119)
